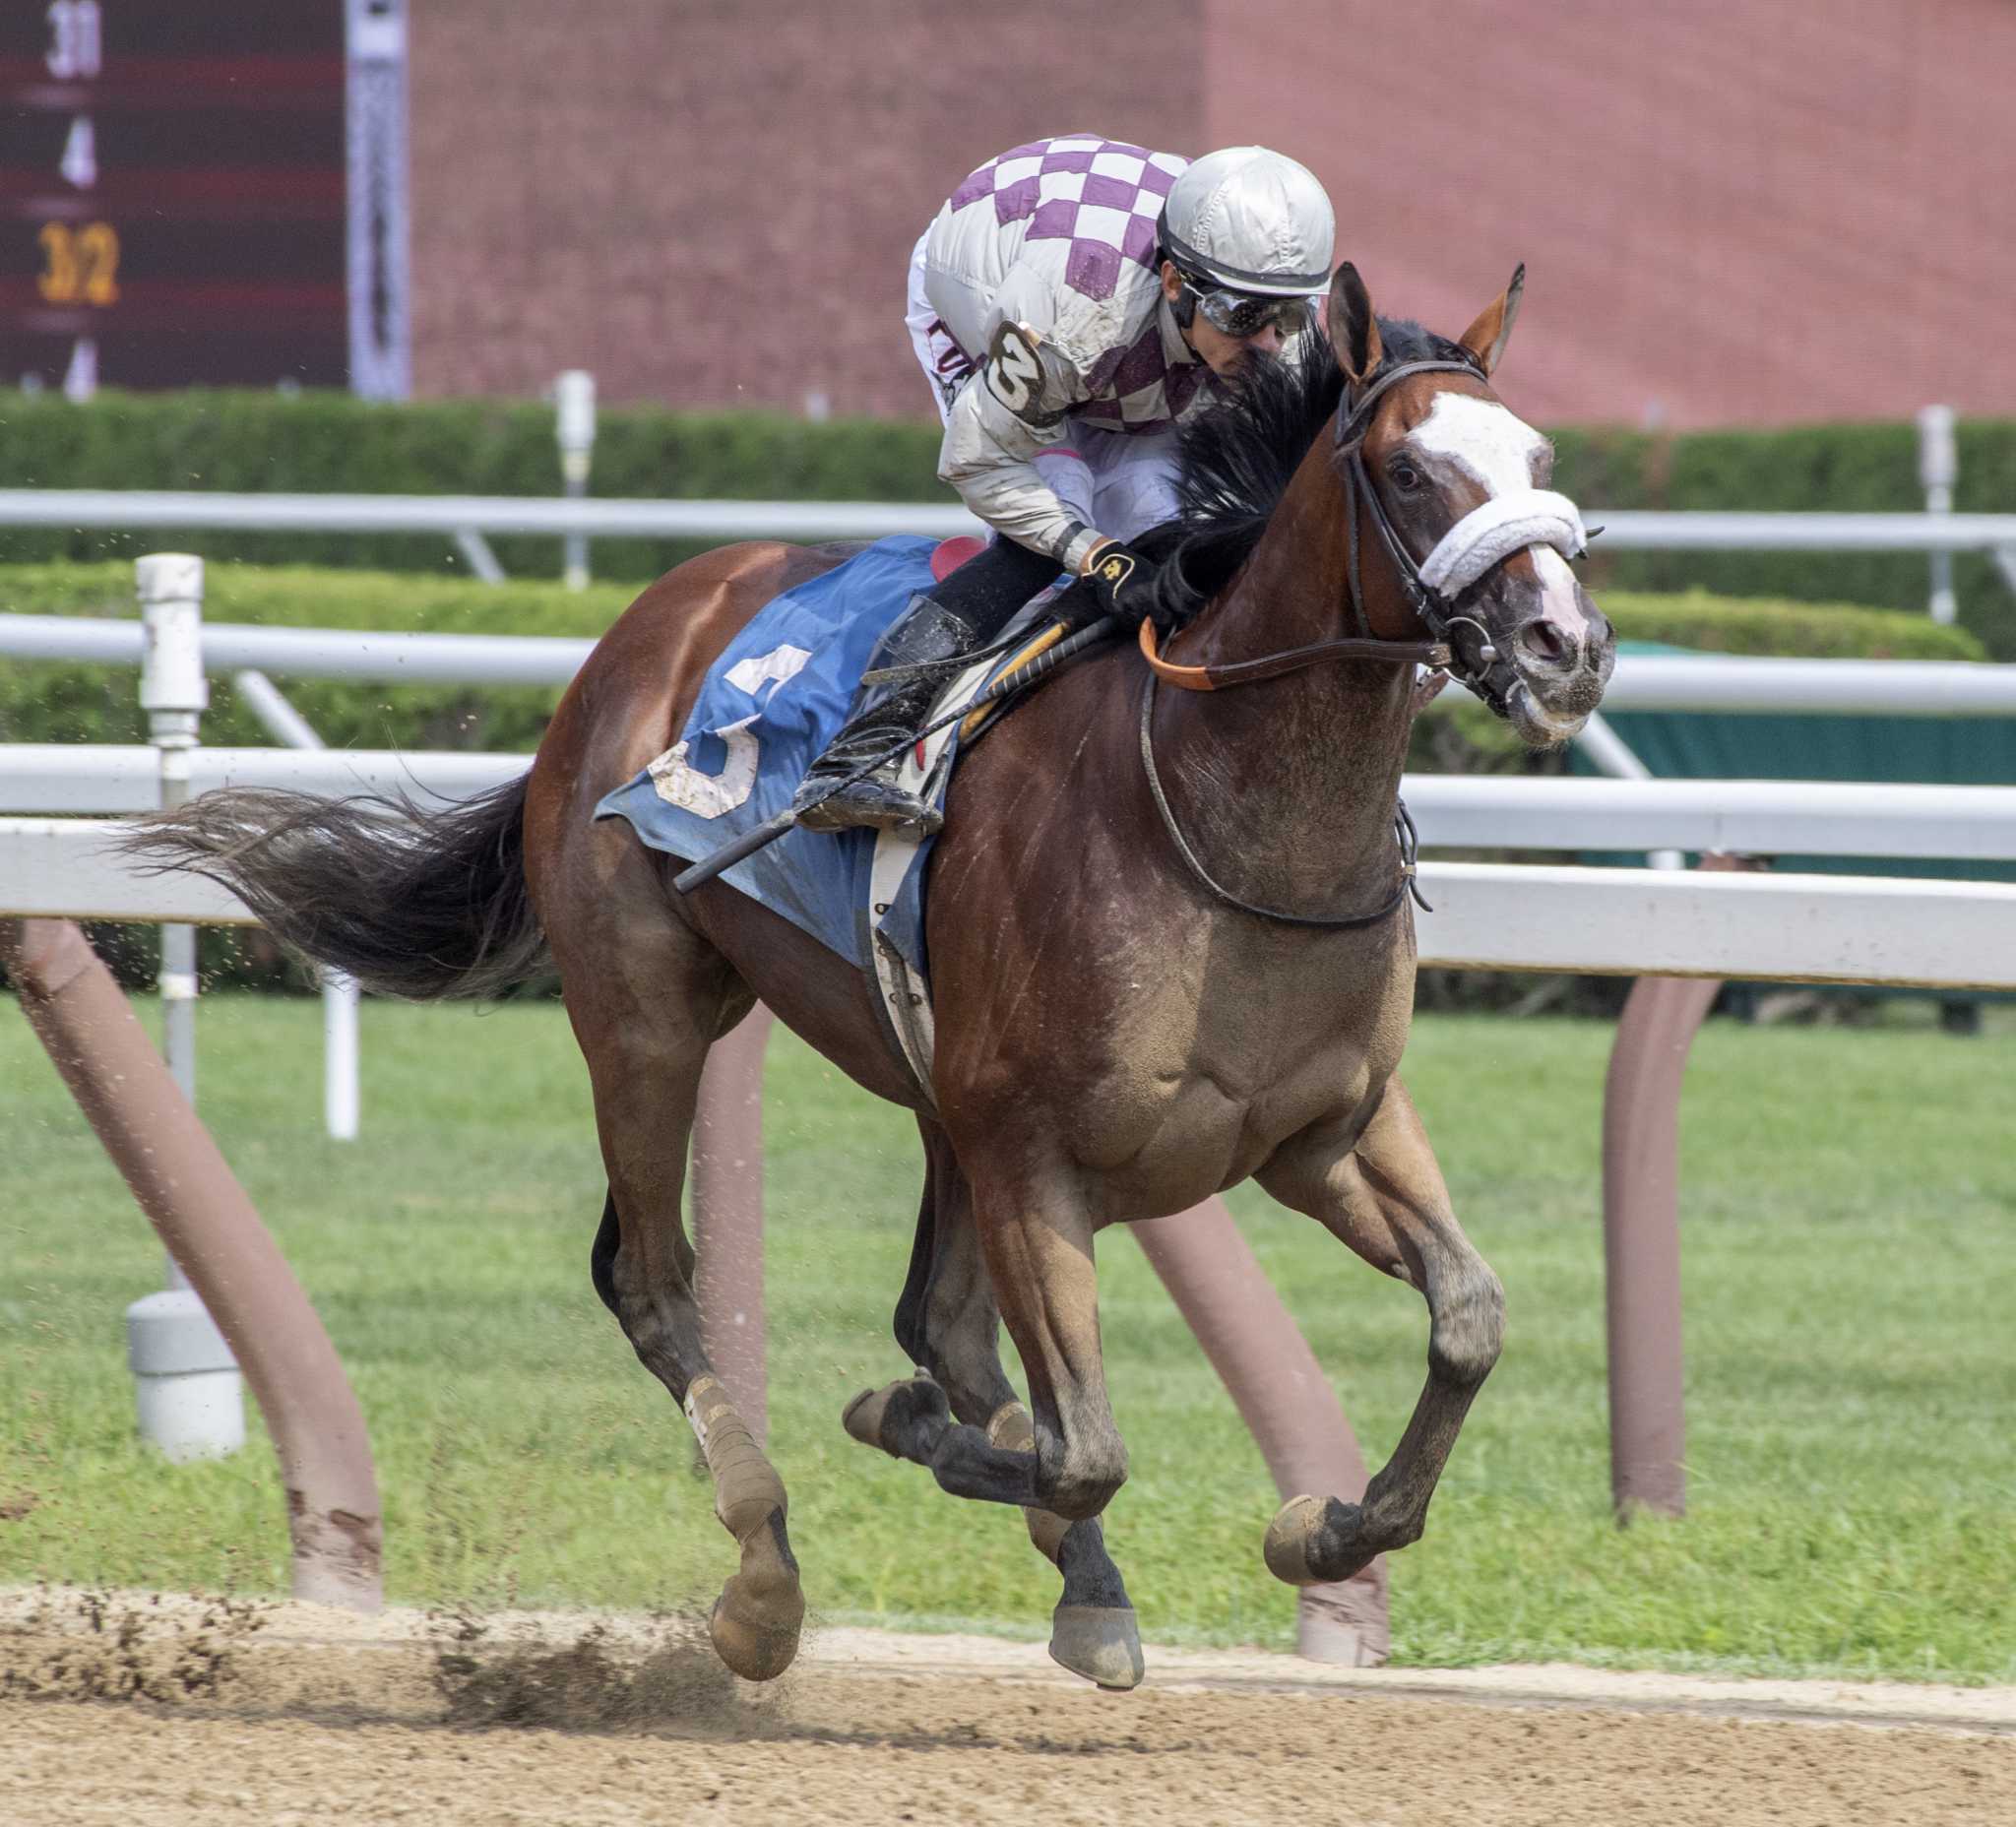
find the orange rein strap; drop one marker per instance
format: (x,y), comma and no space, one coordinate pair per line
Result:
(1292,659)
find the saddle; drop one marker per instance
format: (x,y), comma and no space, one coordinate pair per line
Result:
(719,798)
(1029,632)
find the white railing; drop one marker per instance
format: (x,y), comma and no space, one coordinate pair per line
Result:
(1642,682)
(1713,530)
(1851,687)
(1750,818)
(1623,529)
(111,777)
(1500,812)
(312,653)
(591,517)
(1495,917)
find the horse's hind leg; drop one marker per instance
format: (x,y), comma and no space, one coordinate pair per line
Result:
(647,997)
(1386,1199)
(948,1323)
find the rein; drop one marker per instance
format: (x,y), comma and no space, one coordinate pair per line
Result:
(1290,660)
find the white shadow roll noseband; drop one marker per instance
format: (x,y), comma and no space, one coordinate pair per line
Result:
(1504,525)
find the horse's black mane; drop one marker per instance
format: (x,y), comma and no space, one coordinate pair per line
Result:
(1237,458)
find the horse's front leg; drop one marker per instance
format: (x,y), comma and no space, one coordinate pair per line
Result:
(1035,1232)
(1386,1199)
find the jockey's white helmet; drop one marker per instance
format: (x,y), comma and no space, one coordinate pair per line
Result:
(1246,220)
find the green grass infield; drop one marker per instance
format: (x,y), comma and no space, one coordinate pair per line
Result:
(1848,1220)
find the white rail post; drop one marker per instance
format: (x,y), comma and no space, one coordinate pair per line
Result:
(574,427)
(174,695)
(190,1396)
(1938,468)
(340,1099)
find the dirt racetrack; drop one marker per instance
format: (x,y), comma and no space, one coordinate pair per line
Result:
(137,1709)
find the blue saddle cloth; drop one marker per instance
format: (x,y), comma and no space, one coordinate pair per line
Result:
(767,709)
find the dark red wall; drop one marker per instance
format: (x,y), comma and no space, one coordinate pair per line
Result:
(1733,211)
(713,204)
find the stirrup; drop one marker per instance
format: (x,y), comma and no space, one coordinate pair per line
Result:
(874,802)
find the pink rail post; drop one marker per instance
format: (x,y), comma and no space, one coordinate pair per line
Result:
(212,1230)
(728,1215)
(1641,1232)
(1641,1241)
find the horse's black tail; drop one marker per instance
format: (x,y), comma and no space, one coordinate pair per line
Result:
(414,902)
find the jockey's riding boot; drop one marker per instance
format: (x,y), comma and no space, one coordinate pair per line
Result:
(921,650)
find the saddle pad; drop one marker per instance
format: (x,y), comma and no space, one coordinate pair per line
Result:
(767,708)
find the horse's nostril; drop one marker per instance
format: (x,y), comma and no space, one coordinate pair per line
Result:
(1547,642)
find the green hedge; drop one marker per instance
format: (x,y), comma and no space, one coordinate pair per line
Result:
(1837,468)
(257,441)
(329,443)
(1714,624)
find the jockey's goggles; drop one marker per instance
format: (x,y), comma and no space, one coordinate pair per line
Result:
(1245,314)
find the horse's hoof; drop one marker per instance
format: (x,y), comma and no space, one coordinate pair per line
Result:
(758,1639)
(1101,1642)
(1308,1542)
(863,1417)
(880,1416)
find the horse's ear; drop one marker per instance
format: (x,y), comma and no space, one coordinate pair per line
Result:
(1354,330)
(1486,338)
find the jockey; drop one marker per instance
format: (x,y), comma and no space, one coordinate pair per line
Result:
(1073,300)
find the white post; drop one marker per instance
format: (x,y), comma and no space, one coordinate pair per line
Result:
(1938,468)
(574,427)
(174,695)
(339,1097)
(190,1396)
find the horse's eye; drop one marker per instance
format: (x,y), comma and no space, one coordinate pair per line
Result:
(1403,476)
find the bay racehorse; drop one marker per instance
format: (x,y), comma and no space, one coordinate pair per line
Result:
(1169,936)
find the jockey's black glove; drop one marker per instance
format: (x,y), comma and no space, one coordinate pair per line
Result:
(1120,581)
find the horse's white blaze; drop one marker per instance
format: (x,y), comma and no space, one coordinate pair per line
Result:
(1481,438)
(1494,448)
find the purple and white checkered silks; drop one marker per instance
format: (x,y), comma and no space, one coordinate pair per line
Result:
(1102,195)
(1138,388)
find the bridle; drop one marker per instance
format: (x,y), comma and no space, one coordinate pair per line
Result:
(1432,606)
(1481,549)
(1434,610)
